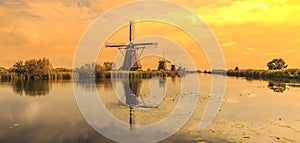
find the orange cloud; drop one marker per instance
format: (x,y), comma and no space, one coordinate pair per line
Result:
(228,44)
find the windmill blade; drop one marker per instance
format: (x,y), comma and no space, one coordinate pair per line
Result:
(145,44)
(115,45)
(131,31)
(139,47)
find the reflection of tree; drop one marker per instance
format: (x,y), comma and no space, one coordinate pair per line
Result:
(32,87)
(277,86)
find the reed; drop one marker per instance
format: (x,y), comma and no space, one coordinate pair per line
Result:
(271,74)
(68,75)
(7,76)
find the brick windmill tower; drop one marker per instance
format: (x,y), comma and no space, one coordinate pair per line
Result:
(131,57)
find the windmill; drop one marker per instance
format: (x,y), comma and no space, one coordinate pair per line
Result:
(162,64)
(132,55)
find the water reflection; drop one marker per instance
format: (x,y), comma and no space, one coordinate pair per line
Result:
(132,90)
(162,81)
(57,118)
(90,84)
(277,86)
(135,95)
(32,87)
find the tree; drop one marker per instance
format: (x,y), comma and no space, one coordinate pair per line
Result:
(236,68)
(277,64)
(90,70)
(33,67)
(18,68)
(38,67)
(108,66)
(3,69)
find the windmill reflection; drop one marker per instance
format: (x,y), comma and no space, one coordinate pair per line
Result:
(132,91)
(162,81)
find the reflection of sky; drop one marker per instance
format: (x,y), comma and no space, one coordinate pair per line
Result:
(55,117)
(251,108)
(42,119)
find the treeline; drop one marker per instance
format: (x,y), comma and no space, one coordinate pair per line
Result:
(34,69)
(277,70)
(93,70)
(42,69)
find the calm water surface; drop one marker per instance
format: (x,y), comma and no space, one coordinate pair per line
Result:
(252,111)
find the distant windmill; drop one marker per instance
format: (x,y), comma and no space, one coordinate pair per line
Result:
(162,64)
(132,55)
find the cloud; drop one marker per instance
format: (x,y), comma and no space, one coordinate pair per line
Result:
(13,4)
(250,49)
(245,53)
(29,15)
(251,11)
(228,44)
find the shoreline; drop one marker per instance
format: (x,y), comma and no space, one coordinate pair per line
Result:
(286,75)
(69,75)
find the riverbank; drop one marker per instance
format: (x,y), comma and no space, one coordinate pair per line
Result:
(8,76)
(287,75)
(124,74)
(68,75)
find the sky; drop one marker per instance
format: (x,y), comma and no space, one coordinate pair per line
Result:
(250,32)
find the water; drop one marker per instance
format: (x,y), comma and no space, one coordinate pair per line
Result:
(252,111)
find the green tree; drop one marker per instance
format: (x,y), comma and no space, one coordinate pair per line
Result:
(277,64)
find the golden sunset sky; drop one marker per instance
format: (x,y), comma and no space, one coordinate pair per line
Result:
(250,32)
